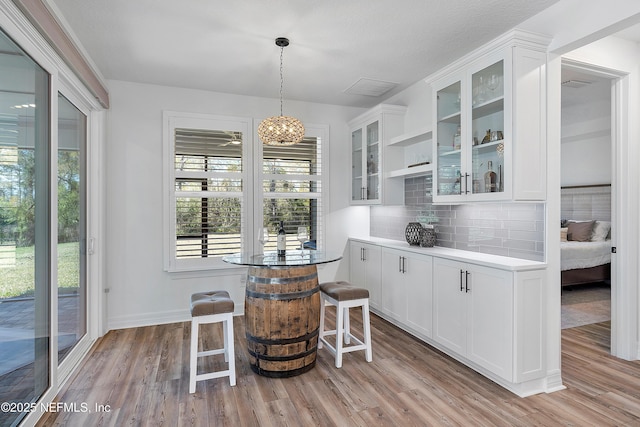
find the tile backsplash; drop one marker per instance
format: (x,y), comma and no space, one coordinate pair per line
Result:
(508,229)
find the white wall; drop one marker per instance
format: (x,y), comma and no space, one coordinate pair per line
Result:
(140,292)
(586,135)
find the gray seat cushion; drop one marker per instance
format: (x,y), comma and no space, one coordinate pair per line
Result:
(343,291)
(212,302)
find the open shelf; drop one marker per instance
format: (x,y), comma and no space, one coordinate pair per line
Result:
(411,172)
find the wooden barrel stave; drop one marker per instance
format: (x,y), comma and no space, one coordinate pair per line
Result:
(282,314)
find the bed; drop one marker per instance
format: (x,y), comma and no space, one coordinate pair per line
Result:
(585,262)
(585,247)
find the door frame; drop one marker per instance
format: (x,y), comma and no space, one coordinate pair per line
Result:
(623,293)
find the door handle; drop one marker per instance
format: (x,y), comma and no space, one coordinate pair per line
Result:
(466,283)
(466,183)
(461,276)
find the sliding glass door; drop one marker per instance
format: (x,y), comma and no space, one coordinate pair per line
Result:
(25,235)
(72,253)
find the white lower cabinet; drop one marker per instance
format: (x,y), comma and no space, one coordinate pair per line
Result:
(486,311)
(407,289)
(473,313)
(364,269)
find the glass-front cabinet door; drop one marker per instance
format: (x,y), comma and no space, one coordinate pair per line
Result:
(471,135)
(365,163)
(487,129)
(373,161)
(357,181)
(449,134)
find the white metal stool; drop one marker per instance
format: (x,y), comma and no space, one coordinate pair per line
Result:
(344,296)
(211,307)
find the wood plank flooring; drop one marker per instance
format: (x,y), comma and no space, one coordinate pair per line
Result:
(142,374)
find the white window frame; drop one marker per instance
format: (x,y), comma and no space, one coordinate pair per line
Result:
(173,120)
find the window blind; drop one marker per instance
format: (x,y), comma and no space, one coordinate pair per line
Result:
(208,193)
(292,191)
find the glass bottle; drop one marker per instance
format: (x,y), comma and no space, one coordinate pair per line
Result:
(490,179)
(456,139)
(282,240)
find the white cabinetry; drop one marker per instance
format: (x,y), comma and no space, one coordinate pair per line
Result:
(473,307)
(491,317)
(407,289)
(364,271)
(488,312)
(489,115)
(369,132)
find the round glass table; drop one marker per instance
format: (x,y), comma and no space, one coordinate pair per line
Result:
(282,310)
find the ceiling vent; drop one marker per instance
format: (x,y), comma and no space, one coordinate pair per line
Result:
(576,83)
(370,87)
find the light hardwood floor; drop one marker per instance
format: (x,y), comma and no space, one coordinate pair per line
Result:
(142,374)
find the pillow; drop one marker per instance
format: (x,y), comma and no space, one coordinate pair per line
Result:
(600,231)
(580,231)
(563,234)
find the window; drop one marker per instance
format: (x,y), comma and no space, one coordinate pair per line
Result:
(292,191)
(223,185)
(207,207)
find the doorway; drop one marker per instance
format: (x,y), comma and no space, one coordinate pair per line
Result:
(586,190)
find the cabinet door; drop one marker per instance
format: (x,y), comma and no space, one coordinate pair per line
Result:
(449,304)
(372,159)
(490,319)
(448,134)
(488,132)
(364,270)
(357,169)
(418,275)
(394,291)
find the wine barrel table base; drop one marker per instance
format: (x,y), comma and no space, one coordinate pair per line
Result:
(282,317)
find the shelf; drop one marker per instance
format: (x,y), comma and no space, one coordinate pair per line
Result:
(451,118)
(450,153)
(411,172)
(488,146)
(489,107)
(411,138)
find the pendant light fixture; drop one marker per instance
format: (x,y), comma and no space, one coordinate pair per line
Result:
(281,130)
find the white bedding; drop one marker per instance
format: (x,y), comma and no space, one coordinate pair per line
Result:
(584,254)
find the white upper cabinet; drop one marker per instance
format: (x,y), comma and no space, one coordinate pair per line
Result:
(368,134)
(489,121)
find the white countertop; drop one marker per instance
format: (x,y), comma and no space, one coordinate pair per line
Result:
(489,260)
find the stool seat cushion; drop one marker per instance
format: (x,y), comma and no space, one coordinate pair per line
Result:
(212,302)
(343,291)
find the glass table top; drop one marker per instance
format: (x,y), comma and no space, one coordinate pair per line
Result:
(292,258)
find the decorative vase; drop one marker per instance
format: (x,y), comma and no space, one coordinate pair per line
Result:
(428,237)
(413,233)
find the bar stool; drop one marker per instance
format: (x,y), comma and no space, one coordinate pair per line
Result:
(211,307)
(344,296)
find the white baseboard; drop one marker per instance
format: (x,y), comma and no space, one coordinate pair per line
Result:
(156,318)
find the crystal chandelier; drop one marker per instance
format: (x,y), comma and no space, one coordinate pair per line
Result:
(281,130)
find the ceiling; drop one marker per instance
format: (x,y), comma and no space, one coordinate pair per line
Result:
(229,46)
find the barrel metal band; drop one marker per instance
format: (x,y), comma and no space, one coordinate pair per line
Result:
(282,297)
(282,358)
(281,280)
(281,341)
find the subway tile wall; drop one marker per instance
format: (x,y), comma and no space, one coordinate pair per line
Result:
(508,229)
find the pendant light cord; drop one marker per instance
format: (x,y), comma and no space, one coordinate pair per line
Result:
(281,77)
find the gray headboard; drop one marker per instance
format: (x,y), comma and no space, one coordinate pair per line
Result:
(586,202)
